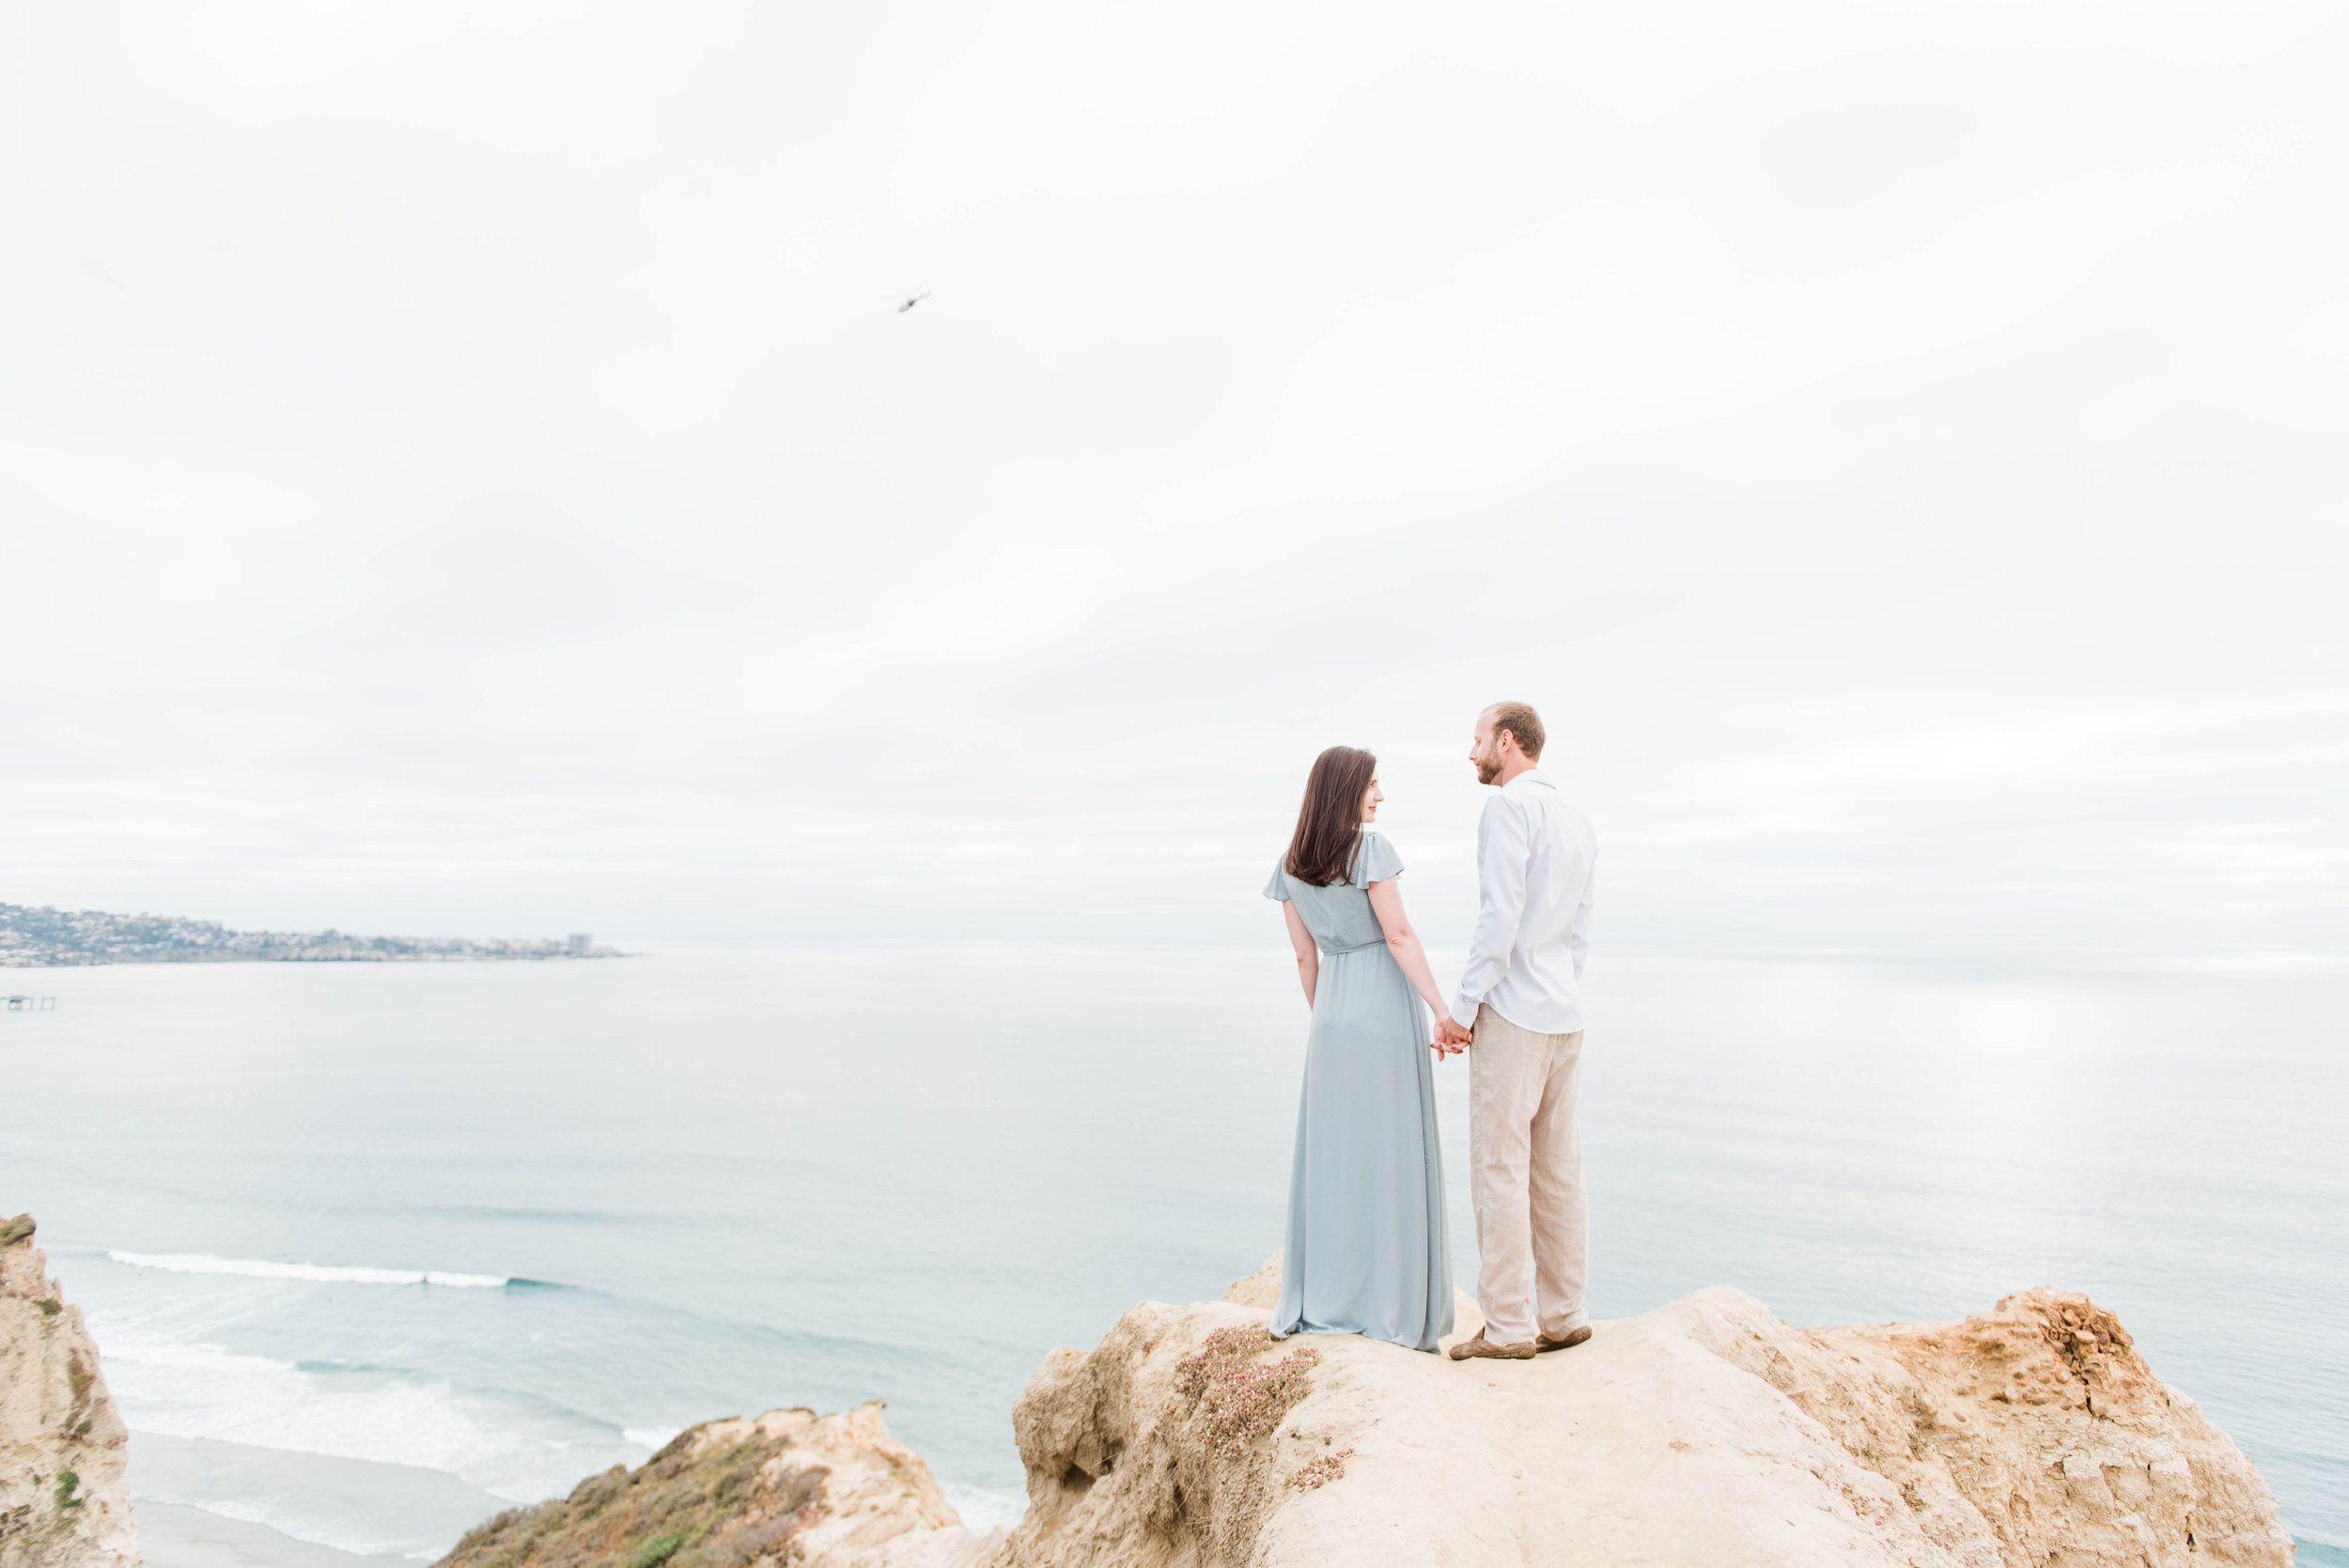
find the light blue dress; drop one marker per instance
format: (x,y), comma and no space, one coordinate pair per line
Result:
(1367,1249)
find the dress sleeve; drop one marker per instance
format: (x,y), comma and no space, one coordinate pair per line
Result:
(1278,887)
(1378,860)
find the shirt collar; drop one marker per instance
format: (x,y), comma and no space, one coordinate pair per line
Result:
(1531,776)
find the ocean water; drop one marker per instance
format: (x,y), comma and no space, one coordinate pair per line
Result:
(372,1252)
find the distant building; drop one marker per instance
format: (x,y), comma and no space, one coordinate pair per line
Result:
(580,945)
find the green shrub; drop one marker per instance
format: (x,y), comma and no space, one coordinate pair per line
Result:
(657,1551)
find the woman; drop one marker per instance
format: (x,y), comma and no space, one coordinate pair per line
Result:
(1367,1249)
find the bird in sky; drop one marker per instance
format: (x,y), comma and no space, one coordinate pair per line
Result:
(914,301)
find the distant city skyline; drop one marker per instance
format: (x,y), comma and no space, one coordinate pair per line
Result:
(465,468)
(50,938)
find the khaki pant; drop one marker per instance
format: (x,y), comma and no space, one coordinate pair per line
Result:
(1525,1159)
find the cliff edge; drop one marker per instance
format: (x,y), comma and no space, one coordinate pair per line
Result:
(792,1487)
(1701,1433)
(63,1501)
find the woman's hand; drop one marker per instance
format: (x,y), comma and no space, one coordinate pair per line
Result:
(1450,1037)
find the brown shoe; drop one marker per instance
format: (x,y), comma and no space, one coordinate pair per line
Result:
(1481,1349)
(1574,1337)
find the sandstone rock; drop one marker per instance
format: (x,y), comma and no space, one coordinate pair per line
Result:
(790,1487)
(1260,1289)
(63,1502)
(1707,1432)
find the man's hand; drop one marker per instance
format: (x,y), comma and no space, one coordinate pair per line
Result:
(1451,1037)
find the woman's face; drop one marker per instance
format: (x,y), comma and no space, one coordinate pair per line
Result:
(1371,798)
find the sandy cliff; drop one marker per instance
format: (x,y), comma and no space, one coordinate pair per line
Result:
(1704,1434)
(790,1487)
(63,1503)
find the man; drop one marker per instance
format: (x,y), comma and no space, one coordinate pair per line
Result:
(1520,1006)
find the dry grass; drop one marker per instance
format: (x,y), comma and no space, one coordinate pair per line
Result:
(692,1505)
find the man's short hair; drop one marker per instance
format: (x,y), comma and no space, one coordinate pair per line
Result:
(1519,720)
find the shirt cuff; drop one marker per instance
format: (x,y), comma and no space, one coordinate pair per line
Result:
(1464,1012)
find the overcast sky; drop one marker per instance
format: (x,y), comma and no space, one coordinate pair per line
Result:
(463,469)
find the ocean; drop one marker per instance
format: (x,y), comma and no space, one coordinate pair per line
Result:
(372,1252)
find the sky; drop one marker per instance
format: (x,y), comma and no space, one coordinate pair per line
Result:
(463,469)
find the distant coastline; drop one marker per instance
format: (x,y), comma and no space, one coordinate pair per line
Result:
(55,938)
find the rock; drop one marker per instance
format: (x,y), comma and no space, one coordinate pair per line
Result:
(792,1488)
(1261,1289)
(63,1501)
(1703,1432)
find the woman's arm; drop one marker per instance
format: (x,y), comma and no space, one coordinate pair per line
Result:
(1386,902)
(1308,951)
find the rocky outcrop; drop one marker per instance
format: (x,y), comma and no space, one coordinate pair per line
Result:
(1703,1434)
(792,1488)
(63,1502)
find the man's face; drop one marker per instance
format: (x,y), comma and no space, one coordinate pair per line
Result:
(1484,750)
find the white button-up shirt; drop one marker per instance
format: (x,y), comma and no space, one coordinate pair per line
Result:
(1534,855)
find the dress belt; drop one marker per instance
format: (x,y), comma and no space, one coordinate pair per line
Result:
(1357,947)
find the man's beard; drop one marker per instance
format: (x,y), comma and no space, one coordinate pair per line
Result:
(1486,771)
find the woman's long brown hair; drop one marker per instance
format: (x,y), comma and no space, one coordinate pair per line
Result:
(1329,824)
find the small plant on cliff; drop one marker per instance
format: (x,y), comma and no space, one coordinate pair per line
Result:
(1240,1397)
(657,1551)
(68,1484)
(50,1306)
(1318,1472)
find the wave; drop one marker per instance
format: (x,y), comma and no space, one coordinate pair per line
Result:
(324,1274)
(271,1519)
(986,1507)
(512,1445)
(369,1509)
(188,1357)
